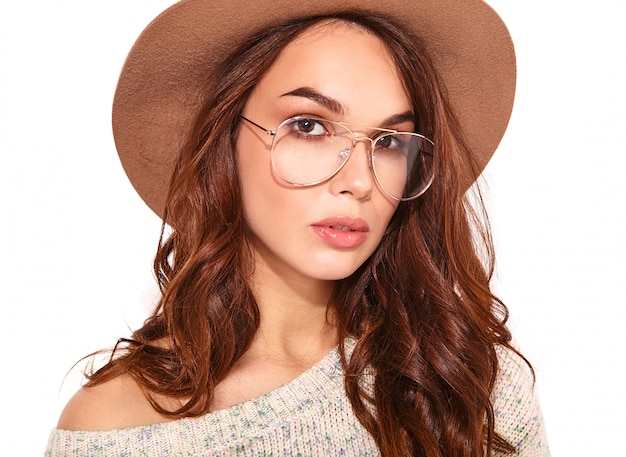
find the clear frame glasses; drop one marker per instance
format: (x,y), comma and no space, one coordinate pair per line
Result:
(307,151)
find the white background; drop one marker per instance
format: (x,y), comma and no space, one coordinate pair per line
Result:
(78,242)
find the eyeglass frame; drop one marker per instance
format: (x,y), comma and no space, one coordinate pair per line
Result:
(355,140)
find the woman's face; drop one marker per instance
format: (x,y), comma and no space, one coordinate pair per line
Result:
(325,232)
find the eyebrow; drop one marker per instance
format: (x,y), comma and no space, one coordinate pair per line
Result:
(335,107)
(399,119)
(327,102)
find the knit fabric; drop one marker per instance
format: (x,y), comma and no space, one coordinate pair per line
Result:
(310,416)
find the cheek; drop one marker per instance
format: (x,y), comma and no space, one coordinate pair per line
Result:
(385,212)
(252,164)
(265,200)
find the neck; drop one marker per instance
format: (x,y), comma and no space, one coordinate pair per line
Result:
(296,323)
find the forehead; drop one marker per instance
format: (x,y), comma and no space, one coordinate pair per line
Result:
(340,60)
(334,27)
(329,40)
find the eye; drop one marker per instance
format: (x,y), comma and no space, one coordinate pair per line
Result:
(308,126)
(389,142)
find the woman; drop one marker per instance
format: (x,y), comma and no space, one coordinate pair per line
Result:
(324,278)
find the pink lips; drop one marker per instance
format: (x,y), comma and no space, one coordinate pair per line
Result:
(343,232)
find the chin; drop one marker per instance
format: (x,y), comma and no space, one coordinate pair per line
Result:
(336,268)
(335,274)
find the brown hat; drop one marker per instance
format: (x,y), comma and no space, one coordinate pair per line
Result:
(165,72)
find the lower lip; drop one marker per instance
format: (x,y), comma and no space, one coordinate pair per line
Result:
(340,238)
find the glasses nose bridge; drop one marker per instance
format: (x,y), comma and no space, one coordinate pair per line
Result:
(365,139)
(369,148)
(358,138)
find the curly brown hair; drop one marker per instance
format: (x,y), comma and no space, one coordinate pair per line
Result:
(420,308)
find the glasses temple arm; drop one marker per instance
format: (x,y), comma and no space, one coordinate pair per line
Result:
(269,132)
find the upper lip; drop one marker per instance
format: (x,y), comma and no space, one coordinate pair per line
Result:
(344,222)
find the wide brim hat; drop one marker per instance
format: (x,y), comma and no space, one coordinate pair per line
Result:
(160,86)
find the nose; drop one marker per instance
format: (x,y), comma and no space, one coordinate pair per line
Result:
(355,177)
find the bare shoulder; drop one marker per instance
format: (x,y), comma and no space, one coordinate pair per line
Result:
(117,403)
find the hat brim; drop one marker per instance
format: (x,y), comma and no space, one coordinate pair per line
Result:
(158,92)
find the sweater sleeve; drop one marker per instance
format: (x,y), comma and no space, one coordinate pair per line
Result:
(517,412)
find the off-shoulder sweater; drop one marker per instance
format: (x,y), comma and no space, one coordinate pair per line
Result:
(309,416)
